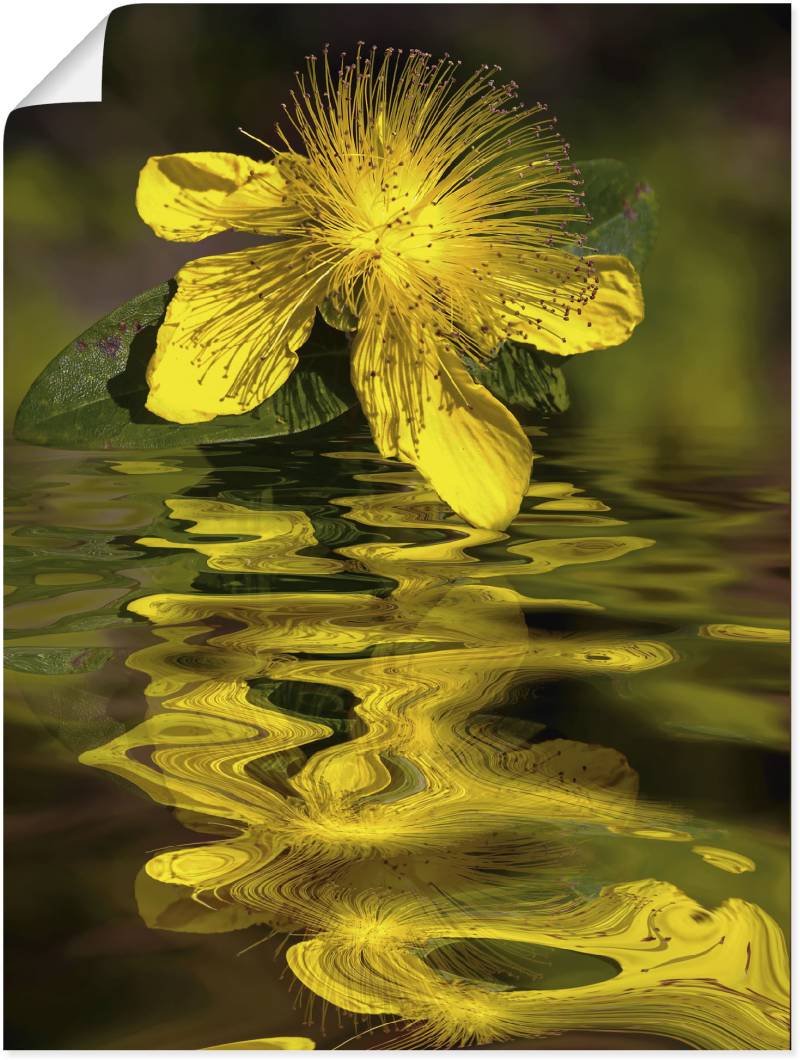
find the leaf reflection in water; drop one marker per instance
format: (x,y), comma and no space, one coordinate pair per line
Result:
(436,825)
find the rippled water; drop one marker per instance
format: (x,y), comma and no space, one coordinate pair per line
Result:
(292,752)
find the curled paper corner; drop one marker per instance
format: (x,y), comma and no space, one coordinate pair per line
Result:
(78,78)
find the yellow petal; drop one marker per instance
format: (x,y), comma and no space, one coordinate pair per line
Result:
(423,407)
(228,339)
(608,319)
(187,197)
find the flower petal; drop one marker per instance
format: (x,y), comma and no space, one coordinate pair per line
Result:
(229,335)
(186,197)
(423,407)
(606,320)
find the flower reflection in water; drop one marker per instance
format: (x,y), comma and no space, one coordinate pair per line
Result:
(425,851)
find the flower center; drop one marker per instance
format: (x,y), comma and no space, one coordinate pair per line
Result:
(397,224)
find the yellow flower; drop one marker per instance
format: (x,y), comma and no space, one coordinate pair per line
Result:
(428,215)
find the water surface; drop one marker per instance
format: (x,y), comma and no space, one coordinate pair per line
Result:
(291,751)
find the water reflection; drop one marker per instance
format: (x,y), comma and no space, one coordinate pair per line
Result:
(362,784)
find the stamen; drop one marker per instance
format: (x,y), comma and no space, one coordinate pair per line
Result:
(448,207)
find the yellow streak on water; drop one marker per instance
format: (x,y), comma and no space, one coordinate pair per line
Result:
(295,1044)
(143,467)
(727,860)
(757,634)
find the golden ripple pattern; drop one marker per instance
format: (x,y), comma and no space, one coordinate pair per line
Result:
(727,860)
(755,634)
(278,538)
(436,827)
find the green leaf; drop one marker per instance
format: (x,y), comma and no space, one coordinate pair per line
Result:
(92,395)
(624,211)
(520,375)
(336,314)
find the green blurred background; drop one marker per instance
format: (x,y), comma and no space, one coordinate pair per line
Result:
(693,98)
